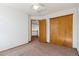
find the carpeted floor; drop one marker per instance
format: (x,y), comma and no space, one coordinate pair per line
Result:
(35,48)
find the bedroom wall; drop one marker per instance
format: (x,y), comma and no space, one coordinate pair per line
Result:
(78,31)
(13,28)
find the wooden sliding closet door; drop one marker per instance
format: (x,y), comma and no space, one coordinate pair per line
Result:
(42,30)
(69,30)
(61,30)
(54,31)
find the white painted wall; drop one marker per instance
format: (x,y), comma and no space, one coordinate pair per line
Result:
(61,13)
(13,28)
(78,31)
(48,30)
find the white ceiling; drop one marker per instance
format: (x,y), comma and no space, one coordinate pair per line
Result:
(49,7)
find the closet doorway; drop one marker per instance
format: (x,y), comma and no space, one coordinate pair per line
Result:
(61,30)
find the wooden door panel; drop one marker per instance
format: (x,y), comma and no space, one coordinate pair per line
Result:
(61,30)
(54,31)
(42,30)
(68,40)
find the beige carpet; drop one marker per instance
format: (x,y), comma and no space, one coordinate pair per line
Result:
(35,48)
